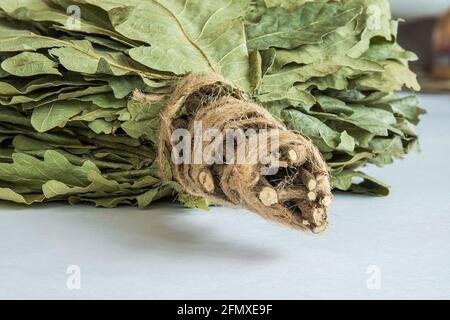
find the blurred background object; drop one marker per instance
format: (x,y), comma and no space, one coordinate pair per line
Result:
(427,33)
(441,48)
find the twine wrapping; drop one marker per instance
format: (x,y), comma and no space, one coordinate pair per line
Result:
(298,195)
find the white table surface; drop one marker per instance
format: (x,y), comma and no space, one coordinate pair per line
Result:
(169,252)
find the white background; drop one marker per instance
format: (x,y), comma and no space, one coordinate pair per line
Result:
(413,8)
(168,252)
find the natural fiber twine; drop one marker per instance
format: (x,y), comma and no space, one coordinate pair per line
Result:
(298,196)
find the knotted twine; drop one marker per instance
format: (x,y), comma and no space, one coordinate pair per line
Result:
(298,195)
